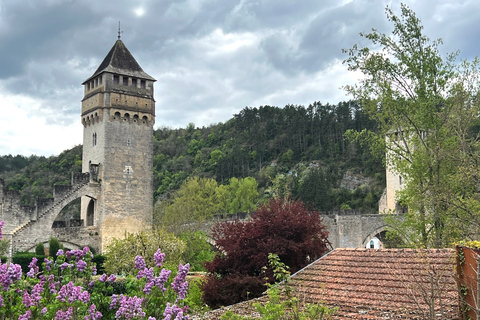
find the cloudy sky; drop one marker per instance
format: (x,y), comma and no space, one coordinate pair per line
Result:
(211,58)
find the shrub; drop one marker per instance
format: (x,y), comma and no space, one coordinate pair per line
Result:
(99,260)
(286,228)
(53,247)
(121,252)
(25,258)
(40,249)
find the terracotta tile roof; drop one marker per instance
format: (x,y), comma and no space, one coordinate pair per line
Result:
(377,284)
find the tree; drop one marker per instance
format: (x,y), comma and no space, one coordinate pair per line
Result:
(243,195)
(426,109)
(192,204)
(197,250)
(286,228)
(121,253)
(53,246)
(40,249)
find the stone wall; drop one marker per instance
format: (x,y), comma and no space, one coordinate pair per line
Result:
(27,226)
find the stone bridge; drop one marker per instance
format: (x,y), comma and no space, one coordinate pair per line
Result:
(27,226)
(347,228)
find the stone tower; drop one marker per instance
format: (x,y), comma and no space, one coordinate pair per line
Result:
(118,113)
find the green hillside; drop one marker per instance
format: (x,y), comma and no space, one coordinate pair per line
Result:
(293,150)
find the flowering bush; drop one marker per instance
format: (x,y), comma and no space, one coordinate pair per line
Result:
(66,289)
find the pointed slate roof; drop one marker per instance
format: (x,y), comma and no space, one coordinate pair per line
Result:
(120,61)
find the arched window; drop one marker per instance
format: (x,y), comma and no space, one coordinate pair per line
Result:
(372,244)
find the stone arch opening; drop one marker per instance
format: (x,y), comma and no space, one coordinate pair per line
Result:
(387,242)
(69,215)
(90,213)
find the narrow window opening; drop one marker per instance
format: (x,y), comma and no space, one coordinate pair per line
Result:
(372,244)
(90,213)
(116,79)
(400,180)
(134,82)
(143,84)
(125,81)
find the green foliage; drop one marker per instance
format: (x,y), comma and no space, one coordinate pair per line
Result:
(197,250)
(35,176)
(24,259)
(120,253)
(53,246)
(426,109)
(40,249)
(99,260)
(4,246)
(194,295)
(199,199)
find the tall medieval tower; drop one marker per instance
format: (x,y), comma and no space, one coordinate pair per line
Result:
(118,113)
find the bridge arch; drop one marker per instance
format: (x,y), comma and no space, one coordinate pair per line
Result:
(372,234)
(38,228)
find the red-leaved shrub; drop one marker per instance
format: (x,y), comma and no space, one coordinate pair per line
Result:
(286,228)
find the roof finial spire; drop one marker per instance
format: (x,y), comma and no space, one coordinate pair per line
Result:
(119,32)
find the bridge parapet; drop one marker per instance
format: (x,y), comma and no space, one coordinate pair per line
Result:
(80,178)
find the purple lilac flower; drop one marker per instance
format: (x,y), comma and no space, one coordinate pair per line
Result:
(52,284)
(26,299)
(129,307)
(87,250)
(48,264)
(1,301)
(81,265)
(149,274)
(60,252)
(72,293)
(103,278)
(174,311)
(158,258)
(94,270)
(148,287)
(33,268)
(65,265)
(91,284)
(37,292)
(180,285)
(14,272)
(151,318)
(9,274)
(64,315)
(162,279)
(113,304)
(140,263)
(93,314)
(25,316)
(78,254)
(44,310)
(112,278)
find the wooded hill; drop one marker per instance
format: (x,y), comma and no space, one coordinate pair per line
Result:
(293,150)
